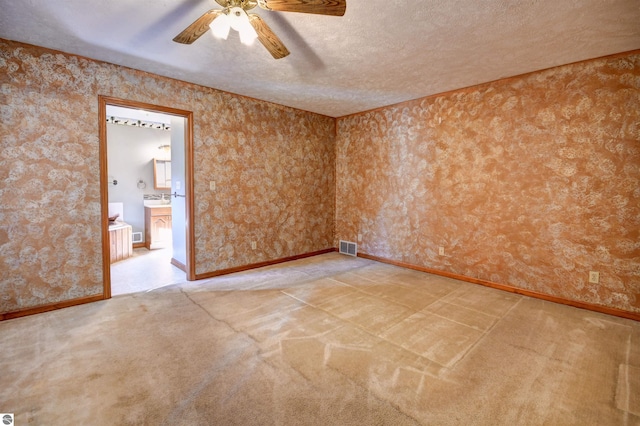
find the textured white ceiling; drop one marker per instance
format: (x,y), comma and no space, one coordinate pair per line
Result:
(379,53)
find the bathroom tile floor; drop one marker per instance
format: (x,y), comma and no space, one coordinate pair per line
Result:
(145,270)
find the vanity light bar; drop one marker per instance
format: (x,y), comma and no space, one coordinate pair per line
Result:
(138,123)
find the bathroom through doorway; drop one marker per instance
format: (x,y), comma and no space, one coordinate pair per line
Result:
(146,182)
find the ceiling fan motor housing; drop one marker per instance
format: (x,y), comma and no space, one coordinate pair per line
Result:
(243,4)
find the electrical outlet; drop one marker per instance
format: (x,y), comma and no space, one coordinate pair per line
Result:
(441,251)
(359,238)
(594,277)
(254,245)
(212,185)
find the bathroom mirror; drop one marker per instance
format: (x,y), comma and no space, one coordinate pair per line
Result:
(161,174)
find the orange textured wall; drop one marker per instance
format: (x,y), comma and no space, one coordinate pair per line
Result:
(532,181)
(273,167)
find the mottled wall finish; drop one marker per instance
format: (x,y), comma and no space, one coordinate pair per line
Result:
(274,172)
(49,178)
(531,181)
(273,166)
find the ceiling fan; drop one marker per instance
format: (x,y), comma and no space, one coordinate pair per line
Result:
(251,26)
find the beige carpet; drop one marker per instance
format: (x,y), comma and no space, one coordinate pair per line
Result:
(329,340)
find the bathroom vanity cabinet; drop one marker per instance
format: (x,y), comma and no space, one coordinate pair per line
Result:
(157,227)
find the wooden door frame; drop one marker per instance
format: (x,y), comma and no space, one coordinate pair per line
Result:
(103,101)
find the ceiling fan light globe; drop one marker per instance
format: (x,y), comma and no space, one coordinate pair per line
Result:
(239,21)
(220,27)
(247,40)
(237,17)
(247,34)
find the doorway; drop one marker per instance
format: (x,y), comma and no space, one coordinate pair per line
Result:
(176,196)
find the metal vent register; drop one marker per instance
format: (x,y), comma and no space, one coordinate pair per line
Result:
(347,247)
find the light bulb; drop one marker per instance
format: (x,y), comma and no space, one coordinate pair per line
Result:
(247,34)
(220,26)
(237,16)
(239,21)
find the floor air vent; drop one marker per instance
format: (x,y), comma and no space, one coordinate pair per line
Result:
(347,247)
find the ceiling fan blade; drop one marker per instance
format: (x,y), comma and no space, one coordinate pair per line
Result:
(197,28)
(268,38)
(320,7)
